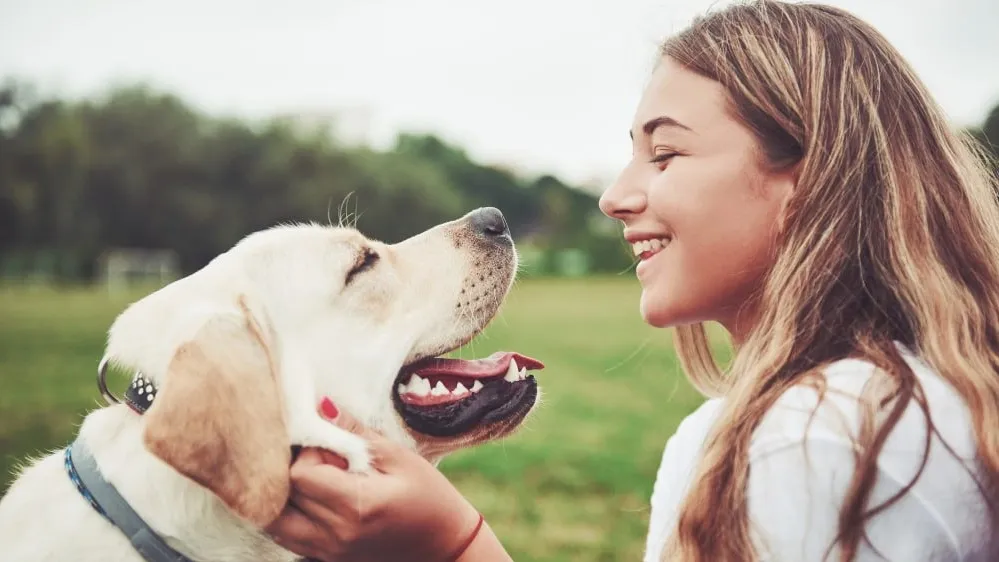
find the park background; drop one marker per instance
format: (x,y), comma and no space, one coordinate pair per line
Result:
(140,139)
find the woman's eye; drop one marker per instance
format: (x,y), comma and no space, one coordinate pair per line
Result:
(662,157)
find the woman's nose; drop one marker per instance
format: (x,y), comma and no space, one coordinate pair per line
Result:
(624,198)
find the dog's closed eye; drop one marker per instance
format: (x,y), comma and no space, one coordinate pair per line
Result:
(366,259)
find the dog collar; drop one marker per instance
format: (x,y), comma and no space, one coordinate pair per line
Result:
(140,393)
(105,499)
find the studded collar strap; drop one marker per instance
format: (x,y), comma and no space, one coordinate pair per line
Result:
(140,393)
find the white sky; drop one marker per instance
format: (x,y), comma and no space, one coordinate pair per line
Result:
(545,85)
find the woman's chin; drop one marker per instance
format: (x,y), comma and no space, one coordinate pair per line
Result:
(657,312)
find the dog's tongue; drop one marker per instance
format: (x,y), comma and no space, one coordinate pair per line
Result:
(494,365)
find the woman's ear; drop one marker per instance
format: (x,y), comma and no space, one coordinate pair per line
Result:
(783,185)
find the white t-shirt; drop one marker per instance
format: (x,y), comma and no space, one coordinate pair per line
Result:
(794,504)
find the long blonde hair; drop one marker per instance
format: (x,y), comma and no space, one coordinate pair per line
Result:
(892,234)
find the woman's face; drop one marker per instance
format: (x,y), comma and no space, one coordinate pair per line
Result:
(698,204)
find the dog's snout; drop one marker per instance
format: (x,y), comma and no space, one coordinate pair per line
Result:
(489,223)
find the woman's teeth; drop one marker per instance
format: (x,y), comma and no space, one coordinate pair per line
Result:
(653,246)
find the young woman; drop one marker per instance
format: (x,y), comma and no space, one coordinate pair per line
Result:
(794,181)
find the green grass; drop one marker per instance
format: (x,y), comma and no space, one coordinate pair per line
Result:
(573,484)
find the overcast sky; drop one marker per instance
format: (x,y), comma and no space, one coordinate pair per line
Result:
(546,85)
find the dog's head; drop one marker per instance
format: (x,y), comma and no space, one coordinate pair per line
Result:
(351,318)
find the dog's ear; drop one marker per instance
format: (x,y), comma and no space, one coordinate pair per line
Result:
(218,417)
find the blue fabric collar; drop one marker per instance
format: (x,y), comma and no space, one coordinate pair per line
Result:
(105,499)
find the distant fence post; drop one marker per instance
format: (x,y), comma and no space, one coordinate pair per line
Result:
(122,267)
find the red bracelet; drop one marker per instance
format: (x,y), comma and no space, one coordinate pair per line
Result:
(468,542)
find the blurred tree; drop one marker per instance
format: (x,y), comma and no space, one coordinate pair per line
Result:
(990,129)
(140,168)
(988,136)
(9,209)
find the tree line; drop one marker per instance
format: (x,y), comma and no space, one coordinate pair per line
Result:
(140,168)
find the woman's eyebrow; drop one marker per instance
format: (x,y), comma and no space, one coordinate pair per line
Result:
(662,121)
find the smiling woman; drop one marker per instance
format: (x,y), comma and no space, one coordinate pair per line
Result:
(690,154)
(792,180)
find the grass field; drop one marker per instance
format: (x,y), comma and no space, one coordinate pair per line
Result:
(572,485)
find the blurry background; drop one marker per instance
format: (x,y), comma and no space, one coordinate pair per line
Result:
(139,139)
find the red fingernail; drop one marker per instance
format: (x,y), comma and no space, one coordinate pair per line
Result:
(329,409)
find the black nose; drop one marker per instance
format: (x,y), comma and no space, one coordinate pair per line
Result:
(489,222)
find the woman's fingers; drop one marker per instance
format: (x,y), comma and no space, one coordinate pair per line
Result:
(333,487)
(325,457)
(314,456)
(343,420)
(292,525)
(332,512)
(341,524)
(384,453)
(335,514)
(296,531)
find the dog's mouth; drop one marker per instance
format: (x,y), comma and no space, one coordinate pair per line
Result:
(445,397)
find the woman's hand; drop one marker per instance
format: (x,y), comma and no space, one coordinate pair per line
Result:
(404,509)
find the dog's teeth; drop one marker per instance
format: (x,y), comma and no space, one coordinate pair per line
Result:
(522,374)
(460,390)
(512,372)
(439,390)
(402,389)
(476,386)
(418,386)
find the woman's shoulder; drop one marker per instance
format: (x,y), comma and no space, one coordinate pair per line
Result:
(803,458)
(832,408)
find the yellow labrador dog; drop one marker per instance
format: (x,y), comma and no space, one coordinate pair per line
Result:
(232,362)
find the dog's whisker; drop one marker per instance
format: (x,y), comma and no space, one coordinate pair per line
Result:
(357,214)
(501,317)
(342,213)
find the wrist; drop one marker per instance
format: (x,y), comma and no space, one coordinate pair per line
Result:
(485,547)
(459,553)
(457,525)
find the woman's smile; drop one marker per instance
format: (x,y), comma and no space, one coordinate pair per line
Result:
(647,251)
